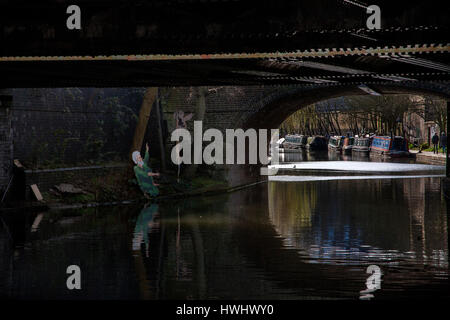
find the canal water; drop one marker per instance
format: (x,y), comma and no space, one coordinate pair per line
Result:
(291,238)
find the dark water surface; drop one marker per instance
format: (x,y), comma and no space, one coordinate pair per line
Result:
(281,240)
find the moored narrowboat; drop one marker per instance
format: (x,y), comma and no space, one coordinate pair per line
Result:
(316,143)
(348,145)
(392,147)
(292,141)
(335,143)
(303,141)
(361,145)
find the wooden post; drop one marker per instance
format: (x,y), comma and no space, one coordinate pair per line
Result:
(144,114)
(200,109)
(160,133)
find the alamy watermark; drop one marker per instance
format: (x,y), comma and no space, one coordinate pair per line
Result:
(373,282)
(74,279)
(73,22)
(374,20)
(238,145)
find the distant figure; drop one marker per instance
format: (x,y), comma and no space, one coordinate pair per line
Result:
(144,174)
(444,142)
(435,142)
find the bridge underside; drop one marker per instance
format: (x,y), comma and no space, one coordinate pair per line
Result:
(235,42)
(334,67)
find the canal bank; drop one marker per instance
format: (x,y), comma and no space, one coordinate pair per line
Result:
(429,157)
(109,185)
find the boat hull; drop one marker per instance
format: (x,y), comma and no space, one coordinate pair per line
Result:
(386,146)
(347,150)
(334,148)
(361,150)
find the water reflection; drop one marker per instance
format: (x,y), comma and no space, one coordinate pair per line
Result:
(281,240)
(398,224)
(346,222)
(146,223)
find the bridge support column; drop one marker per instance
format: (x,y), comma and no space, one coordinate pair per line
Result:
(6,145)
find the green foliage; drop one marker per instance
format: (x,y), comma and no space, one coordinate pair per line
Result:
(62,140)
(37,150)
(80,198)
(93,146)
(424,146)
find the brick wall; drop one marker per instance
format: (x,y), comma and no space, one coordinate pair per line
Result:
(226,107)
(70,125)
(5,143)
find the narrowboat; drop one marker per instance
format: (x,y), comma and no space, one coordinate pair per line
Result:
(316,143)
(348,145)
(361,145)
(335,143)
(392,147)
(292,141)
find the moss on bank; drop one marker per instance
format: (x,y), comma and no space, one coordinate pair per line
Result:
(120,185)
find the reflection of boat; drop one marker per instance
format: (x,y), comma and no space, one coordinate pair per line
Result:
(333,155)
(293,156)
(348,145)
(391,147)
(316,143)
(361,145)
(294,141)
(335,143)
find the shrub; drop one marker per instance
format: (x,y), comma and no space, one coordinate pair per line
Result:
(424,146)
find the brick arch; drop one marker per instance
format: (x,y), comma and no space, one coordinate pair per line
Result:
(272,108)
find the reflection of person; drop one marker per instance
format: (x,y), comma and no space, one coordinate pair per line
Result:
(144,174)
(146,221)
(443,142)
(435,141)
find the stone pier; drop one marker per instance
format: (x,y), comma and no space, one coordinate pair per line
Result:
(6,144)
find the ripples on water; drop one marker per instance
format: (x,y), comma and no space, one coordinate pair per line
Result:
(291,240)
